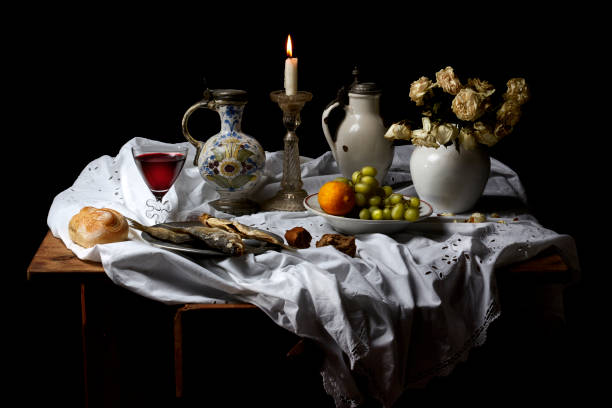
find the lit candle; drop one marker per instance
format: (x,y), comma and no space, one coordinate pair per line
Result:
(290,70)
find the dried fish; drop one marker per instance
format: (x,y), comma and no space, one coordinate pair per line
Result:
(161,233)
(243,230)
(214,238)
(221,223)
(227,242)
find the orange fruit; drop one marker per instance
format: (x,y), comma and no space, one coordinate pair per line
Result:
(336,198)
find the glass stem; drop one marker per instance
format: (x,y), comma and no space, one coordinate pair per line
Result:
(292,179)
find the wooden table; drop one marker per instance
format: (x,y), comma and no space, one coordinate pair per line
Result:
(54,260)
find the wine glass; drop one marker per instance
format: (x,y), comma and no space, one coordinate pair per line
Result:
(159,166)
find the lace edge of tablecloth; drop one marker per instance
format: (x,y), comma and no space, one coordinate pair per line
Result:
(445,367)
(334,390)
(420,380)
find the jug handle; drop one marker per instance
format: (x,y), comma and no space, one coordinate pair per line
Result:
(326,132)
(204,103)
(341,100)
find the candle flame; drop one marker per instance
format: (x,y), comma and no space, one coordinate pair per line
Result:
(289,47)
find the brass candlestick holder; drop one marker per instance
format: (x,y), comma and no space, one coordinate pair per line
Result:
(291,195)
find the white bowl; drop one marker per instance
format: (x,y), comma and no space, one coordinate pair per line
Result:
(354,226)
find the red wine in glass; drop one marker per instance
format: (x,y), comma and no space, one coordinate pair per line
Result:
(160,169)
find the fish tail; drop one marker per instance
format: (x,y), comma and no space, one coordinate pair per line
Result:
(135,224)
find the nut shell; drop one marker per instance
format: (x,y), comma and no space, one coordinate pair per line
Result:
(298,237)
(343,243)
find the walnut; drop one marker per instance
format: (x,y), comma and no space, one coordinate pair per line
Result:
(298,237)
(342,243)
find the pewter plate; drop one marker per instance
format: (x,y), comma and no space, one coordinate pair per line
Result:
(251,245)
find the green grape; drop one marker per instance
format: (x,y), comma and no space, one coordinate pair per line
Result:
(356,176)
(387,202)
(363,188)
(388,190)
(361,200)
(396,198)
(342,179)
(375,200)
(387,213)
(364,214)
(397,212)
(369,180)
(377,214)
(369,171)
(415,202)
(411,214)
(373,208)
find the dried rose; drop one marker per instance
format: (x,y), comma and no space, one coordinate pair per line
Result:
(467,139)
(484,134)
(480,86)
(399,131)
(517,91)
(424,137)
(445,133)
(501,130)
(509,113)
(419,89)
(468,104)
(448,81)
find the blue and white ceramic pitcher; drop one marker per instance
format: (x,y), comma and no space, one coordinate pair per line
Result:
(232,160)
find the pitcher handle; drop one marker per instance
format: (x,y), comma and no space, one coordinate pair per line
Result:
(326,132)
(204,103)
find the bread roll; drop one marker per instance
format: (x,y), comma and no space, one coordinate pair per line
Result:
(93,226)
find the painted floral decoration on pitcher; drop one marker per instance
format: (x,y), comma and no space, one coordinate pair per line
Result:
(231,160)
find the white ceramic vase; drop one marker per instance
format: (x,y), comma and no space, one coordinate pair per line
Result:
(450,180)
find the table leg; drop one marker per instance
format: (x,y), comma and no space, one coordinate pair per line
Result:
(178,352)
(84,344)
(178,336)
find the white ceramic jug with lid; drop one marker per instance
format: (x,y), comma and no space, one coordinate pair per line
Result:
(360,137)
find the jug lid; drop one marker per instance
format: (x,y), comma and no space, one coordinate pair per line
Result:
(365,88)
(229,95)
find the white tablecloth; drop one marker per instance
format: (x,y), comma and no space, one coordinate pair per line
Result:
(407,308)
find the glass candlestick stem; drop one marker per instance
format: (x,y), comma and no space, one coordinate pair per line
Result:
(291,195)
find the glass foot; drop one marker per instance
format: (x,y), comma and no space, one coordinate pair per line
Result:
(286,201)
(243,206)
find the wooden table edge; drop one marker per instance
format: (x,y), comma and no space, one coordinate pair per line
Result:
(53,257)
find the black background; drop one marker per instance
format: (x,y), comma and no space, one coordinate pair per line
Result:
(89,81)
(98,79)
